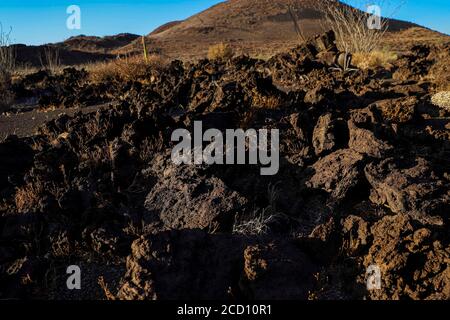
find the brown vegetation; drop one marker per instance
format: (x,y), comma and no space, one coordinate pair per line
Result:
(221,51)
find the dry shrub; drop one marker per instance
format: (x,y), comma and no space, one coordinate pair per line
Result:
(28,196)
(124,68)
(374,59)
(440,71)
(7,66)
(266,102)
(350,25)
(221,51)
(50,59)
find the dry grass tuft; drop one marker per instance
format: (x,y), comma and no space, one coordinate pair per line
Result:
(442,100)
(374,59)
(28,196)
(126,68)
(221,51)
(50,60)
(271,102)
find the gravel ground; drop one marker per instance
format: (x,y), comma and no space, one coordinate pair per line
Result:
(25,123)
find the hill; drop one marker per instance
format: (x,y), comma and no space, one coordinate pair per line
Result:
(260,27)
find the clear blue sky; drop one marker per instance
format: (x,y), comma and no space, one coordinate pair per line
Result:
(44,21)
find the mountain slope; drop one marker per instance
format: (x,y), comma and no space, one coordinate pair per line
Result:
(252,26)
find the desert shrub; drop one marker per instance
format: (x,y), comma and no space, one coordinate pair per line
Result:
(7,66)
(350,26)
(50,60)
(221,51)
(125,68)
(258,223)
(374,59)
(442,100)
(266,102)
(28,196)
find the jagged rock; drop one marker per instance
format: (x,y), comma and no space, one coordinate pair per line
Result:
(413,265)
(365,142)
(277,271)
(16,157)
(401,110)
(413,190)
(337,173)
(356,234)
(329,134)
(188,264)
(324,139)
(183,197)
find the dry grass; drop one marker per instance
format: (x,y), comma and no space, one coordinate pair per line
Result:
(28,196)
(126,68)
(50,60)
(374,59)
(271,102)
(221,51)
(259,221)
(442,100)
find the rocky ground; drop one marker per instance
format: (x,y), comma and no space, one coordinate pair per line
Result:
(364,180)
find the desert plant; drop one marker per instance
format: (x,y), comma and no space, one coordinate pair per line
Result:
(259,221)
(442,100)
(257,224)
(374,59)
(127,68)
(50,59)
(350,26)
(221,51)
(7,66)
(7,52)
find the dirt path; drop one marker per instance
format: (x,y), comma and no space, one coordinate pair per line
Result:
(25,124)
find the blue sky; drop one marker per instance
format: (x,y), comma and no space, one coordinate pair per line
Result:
(44,21)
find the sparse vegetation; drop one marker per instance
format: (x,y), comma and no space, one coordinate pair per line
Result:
(374,59)
(221,51)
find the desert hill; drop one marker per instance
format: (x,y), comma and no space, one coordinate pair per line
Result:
(97,44)
(75,50)
(252,26)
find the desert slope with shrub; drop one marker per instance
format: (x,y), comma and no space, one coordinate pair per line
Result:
(256,27)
